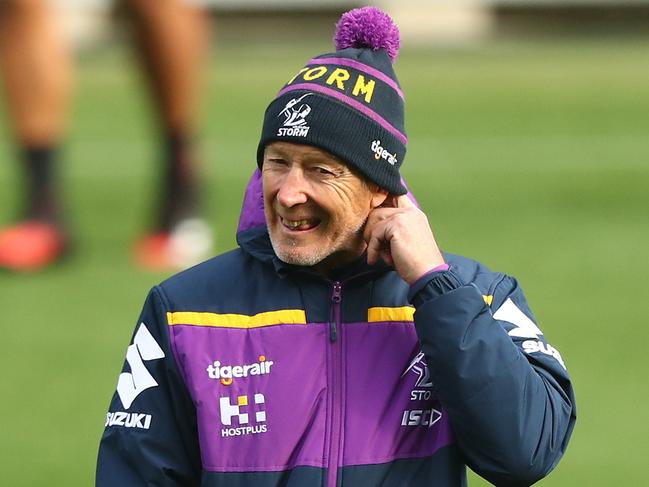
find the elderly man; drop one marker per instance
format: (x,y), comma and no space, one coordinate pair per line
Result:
(337,345)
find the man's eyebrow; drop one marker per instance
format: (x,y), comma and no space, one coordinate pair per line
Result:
(275,154)
(320,158)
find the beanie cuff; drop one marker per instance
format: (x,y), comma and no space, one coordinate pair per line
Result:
(310,117)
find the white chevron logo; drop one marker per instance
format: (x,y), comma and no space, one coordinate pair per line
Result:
(131,384)
(523,326)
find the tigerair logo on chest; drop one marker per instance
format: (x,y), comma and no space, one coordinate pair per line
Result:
(227,373)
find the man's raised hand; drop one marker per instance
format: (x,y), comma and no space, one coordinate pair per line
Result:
(398,232)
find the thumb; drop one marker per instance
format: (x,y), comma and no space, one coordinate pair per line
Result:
(404,201)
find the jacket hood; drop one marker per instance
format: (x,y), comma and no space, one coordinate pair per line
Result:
(252,235)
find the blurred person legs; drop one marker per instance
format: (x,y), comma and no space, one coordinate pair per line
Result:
(36,72)
(172,39)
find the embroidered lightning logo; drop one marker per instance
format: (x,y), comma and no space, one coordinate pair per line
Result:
(295,113)
(295,116)
(419,366)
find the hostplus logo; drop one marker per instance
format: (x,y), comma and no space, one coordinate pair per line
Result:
(422,391)
(242,418)
(227,373)
(295,113)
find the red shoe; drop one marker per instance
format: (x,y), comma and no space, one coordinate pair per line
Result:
(31,246)
(189,242)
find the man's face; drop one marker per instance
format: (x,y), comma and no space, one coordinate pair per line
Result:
(315,206)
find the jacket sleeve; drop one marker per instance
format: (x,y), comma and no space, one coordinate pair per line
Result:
(505,389)
(150,436)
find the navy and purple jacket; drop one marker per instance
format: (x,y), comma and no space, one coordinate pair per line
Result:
(246,371)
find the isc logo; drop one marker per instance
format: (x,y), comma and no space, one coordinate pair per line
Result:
(421,417)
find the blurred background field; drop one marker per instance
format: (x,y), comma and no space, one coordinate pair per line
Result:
(530,154)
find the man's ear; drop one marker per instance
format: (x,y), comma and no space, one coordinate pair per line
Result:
(379,197)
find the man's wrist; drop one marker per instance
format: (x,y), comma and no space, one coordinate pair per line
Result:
(438,268)
(433,284)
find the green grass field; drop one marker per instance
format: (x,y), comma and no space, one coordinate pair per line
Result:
(533,158)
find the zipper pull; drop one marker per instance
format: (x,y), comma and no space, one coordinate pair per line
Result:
(336,296)
(336,292)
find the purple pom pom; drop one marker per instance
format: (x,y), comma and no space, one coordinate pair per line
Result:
(367,27)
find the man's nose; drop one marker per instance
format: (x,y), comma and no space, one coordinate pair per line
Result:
(293,189)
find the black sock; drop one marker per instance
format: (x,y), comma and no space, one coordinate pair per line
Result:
(180,185)
(41,195)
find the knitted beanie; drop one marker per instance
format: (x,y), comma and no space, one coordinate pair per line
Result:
(348,103)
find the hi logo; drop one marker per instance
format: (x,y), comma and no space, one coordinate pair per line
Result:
(295,113)
(226,373)
(241,411)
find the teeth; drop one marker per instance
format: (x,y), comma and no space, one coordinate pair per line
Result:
(295,223)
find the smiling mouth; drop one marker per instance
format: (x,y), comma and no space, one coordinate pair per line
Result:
(300,225)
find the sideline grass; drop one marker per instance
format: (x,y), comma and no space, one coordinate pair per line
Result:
(532,158)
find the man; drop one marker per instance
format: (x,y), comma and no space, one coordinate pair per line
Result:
(337,345)
(36,69)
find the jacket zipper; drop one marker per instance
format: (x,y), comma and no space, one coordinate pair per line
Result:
(335,385)
(336,296)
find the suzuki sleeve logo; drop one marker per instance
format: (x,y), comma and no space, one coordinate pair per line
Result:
(131,384)
(523,326)
(526,328)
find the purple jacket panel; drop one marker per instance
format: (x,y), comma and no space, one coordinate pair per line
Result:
(390,410)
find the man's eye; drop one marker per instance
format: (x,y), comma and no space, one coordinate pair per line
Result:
(277,161)
(324,171)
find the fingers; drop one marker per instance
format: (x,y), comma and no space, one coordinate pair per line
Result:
(401,236)
(374,235)
(378,248)
(390,202)
(373,250)
(381,224)
(404,201)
